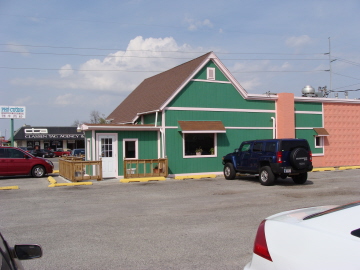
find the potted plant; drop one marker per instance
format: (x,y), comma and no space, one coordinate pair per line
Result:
(157,170)
(212,151)
(198,151)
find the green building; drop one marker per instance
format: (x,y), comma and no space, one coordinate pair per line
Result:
(194,114)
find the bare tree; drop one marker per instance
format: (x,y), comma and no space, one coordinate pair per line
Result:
(96,118)
(77,122)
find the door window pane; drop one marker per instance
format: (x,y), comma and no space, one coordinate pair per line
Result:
(106,147)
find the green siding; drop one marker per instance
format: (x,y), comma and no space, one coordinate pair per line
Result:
(309,135)
(308,120)
(202,74)
(147,145)
(149,119)
(226,142)
(229,119)
(308,106)
(88,136)
(216,95)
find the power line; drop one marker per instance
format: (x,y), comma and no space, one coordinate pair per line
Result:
(346,86)
(106,49)
(346,76)
(347,61)
(164,57)
(152,71)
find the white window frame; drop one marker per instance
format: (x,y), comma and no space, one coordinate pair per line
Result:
(88,152)
(210,74)
(136,148)
(200,156)
(321,140)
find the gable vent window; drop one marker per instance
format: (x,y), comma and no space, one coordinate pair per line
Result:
(211,73)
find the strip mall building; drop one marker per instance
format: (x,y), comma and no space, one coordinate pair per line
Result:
(49,137)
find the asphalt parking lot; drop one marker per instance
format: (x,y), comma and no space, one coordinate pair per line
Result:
(205,223)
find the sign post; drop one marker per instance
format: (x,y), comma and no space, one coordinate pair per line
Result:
(12,112)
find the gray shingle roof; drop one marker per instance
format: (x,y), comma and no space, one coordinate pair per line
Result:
(153,92)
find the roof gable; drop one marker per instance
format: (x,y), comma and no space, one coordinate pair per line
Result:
(202,74)
(156,91)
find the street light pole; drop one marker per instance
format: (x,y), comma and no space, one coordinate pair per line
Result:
(12,132)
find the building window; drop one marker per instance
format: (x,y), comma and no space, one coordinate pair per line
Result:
(130,148)
(211,73)
(319,141)
(199,144)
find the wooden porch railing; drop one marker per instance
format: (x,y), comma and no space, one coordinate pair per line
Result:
(75,169)
(137,168)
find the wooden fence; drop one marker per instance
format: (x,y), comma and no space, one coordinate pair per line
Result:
(76,169)
(137,168)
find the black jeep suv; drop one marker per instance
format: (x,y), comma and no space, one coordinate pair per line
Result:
(270,159)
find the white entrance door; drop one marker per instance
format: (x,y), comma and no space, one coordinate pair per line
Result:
(108,153)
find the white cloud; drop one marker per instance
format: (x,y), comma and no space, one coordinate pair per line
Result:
(23,101)
(120,71)
(297,42)
(66,71)
(67,99)
(251,83)
(196,24)
(14,47)
(252,75)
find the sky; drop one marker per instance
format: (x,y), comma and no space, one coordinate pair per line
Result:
(64,59)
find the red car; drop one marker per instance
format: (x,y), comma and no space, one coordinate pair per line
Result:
(61,152)
(15,161)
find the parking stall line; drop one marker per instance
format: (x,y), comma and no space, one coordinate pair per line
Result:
(9,187)
(53,183)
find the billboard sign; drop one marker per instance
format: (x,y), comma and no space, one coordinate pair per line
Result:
(12,112)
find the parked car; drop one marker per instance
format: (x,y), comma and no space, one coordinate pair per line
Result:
(62,152)
(10,257)
(15,161)
(24,148)
(78,152)
(45,153)
(324,237)
(270,159)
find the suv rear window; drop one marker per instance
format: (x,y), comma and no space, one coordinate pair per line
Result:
(270,147)
(290,145)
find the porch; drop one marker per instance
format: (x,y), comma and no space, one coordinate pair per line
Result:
(137,168)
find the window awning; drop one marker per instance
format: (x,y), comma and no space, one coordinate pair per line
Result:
(202,127)
(321,131)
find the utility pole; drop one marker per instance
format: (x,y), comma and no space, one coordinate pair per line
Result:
(330,64)
(330,68)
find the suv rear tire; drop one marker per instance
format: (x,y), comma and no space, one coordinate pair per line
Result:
(299,158)
(300,178)
(266,176)
(229,171)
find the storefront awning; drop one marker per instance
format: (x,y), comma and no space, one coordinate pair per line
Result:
(202,127)
(321,132)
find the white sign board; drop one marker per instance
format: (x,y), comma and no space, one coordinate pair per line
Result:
(14,112)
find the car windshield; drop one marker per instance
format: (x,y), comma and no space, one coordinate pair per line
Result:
(332,210)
